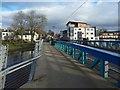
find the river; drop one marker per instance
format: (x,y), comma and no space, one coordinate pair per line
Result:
(18,56)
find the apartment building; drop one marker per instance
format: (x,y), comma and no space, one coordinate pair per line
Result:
(111,35)
(81,31)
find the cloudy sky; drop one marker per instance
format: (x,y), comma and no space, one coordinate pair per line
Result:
(100,13)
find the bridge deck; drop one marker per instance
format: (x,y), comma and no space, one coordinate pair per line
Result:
(58,70)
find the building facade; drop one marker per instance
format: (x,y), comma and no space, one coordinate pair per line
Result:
(27,37)
(63,35)
(7,35)
(113,35)
(81,31)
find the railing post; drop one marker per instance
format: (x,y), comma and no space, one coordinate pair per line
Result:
(70,52)
(74,52)
(100,45)
(33,63)
(104,68)
(3,64)
(83,57)
(63,48)
(37,51)
(116,46)
(32,71)
(67,49)
(60,46)
(56,44)
(107,45)
(94,44)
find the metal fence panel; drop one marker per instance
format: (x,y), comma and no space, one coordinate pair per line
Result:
(18,78)
(3,63)
(19,74)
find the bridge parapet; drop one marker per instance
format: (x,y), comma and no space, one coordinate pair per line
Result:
(102,57)
(25,68)
(108,45)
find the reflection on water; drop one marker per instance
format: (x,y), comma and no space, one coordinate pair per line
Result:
(18,56)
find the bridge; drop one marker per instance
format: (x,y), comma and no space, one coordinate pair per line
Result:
(65,65)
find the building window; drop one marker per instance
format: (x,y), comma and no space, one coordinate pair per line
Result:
(6,34)
(12,34)
(75,33)
(91,37)
(75,37)
(71,31)
(82,33)
(87,38)
(79,29)
(88,29)
(92,33)
(87,33)
(3,33)
(91,29)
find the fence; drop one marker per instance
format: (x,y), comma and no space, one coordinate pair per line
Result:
(102,58)
(3,63)
(108,45)
(19,74)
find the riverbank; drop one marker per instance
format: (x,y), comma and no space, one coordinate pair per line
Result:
(16,46)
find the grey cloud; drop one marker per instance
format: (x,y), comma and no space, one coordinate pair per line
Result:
(102,15)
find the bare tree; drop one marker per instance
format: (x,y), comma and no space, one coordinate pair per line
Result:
(19,22)
(31,21)
(36,23)
(41,32)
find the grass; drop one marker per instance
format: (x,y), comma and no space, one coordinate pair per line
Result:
(16,45)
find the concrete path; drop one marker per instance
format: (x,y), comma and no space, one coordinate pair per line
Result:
(58,70)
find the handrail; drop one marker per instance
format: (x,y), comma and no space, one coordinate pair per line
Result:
(9,69)
(106,55)
(113,46)
(95,41)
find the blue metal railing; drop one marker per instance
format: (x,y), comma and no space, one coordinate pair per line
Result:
(103,57)
(109,45)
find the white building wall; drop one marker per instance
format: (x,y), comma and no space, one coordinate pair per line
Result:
(28,37)
(76,30)
(6,34)
(90,33)
(86,33)
(36,36)
(83,32)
